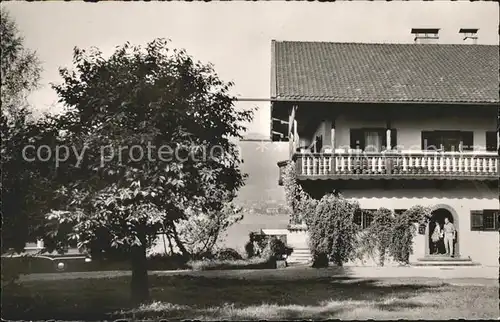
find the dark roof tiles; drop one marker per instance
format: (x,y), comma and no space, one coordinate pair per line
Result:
(359,72)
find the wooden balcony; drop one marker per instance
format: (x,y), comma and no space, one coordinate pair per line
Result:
(390,165)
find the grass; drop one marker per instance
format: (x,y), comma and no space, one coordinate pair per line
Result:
(253,263)
(29,265)
(218,297)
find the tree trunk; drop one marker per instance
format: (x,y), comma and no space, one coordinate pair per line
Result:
(177,240)
(139,285)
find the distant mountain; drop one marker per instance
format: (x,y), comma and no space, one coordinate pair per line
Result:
(261,190)
(261,197)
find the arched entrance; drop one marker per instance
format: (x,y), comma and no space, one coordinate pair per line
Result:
(438,215)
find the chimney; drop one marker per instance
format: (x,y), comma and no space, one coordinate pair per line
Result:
(469,35)
(425,35)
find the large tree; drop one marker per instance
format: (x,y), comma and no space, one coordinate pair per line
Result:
(24,185)
(153,130)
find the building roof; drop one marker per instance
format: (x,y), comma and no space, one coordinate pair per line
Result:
(359,72)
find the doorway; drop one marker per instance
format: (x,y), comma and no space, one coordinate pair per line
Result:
(437,218)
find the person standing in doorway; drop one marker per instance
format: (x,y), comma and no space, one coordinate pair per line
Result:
(449,236)
(436,237)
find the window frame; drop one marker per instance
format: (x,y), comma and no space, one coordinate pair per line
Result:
(481,214)
(364,214)
(439,135)
(491,136)
(362,142)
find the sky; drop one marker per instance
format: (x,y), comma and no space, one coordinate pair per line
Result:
(234,36)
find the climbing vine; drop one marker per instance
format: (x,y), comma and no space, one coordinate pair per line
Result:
(301,204)
(404,230)
(379,234)
(391,235)
(388,235)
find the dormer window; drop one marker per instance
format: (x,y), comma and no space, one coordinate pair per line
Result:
(425,35)
(469,35)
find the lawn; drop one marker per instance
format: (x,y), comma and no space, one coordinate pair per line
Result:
(216,298)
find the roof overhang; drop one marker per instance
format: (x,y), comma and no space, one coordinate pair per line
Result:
(312,100)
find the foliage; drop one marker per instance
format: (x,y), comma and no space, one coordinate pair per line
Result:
(379,234)
(24,185)
(178,113)
(252,263)
(259,242)
(167,262)
(228,254)
(249,249)
(299,202)
(20,68)
(332,231)
(403,232)
(278,249)
(200,232)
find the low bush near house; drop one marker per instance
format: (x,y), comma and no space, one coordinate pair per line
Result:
(403,232)
(254,263)
(250,249)
(378,237)
(277,249)
(167,262)
(228,254)
(332,231)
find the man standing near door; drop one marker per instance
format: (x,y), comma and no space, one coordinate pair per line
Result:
(449,236)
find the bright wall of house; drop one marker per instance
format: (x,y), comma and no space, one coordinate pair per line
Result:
(480,246)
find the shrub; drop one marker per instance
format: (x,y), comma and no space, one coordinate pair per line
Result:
(332,231)
(379,234)
(254,263)
(167,262)
(228,254)
(298,201)
(403,232)
(200,232)
(250,249)
(278,249)
(320,260)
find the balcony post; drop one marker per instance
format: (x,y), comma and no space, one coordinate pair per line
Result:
(292,130)
(298,164)
(332,143)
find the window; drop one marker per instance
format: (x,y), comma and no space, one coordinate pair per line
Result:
(425,35)
(484,220)
(491,141)
(447,140)
(469,35)
(364,218)
(371,140)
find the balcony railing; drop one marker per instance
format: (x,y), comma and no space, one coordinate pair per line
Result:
(432,165)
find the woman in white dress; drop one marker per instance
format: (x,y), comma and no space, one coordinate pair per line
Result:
(436,236)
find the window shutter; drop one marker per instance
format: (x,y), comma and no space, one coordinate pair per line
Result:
(357,139)
(491,141)
(467,141)
(394,138)
(357,218)
(476,220)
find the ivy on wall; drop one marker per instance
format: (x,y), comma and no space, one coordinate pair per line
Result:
(302,205)
(333,234)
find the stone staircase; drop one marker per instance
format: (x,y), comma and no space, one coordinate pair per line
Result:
(299,256)
(440,260)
